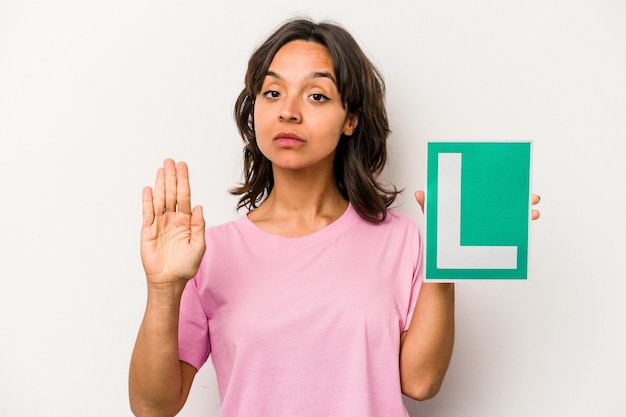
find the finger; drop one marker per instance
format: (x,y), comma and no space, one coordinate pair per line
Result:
(183,191)
(535,214)
(197,224)
(158,199)
(170,185)
(147,206)
(420,196)
(535,198)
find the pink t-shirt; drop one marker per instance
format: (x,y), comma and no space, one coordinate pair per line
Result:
(307,326)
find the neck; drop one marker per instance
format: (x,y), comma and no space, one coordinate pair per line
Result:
(300,203)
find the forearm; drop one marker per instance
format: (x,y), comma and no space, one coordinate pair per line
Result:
(155,380)
(426,347)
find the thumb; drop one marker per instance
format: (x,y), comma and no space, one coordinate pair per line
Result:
(197,223)
(419,197)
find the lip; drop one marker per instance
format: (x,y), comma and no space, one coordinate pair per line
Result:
(288,135)
(288,140)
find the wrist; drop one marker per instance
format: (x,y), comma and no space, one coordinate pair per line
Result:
(165,295)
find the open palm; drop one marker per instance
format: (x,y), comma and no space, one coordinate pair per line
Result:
(172,234)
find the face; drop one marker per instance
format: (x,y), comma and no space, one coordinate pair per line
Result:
(298,114)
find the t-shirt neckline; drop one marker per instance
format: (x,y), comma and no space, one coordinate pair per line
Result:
(331,231)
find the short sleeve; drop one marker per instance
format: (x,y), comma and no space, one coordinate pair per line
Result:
(418,274)
(194,345)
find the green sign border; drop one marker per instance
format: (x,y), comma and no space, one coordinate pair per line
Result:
(508,210)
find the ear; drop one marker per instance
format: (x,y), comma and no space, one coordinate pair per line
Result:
(349,126)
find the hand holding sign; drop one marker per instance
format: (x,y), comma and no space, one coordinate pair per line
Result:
(420,196)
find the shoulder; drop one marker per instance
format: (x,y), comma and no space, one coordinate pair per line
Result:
(397,225)
(398,219)
(399,216)
(226,243)
(225,230)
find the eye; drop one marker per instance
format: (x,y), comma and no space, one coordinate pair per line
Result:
(271,94)
(319,97)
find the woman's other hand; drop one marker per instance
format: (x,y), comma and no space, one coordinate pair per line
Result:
(172,234)
(535,214)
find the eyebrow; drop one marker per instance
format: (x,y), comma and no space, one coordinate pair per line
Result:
(317,74)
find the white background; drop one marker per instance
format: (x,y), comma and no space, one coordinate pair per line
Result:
(94,95)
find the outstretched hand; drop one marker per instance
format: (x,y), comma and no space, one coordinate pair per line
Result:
(535,214)
(172,234)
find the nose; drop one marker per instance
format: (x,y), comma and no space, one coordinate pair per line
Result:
(290,111)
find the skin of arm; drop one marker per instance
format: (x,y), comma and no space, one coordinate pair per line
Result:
(159,383)
(426,347)
(172,246)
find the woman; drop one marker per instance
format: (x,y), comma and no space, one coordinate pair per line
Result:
(311,304)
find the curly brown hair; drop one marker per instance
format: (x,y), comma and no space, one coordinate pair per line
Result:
(360,158)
